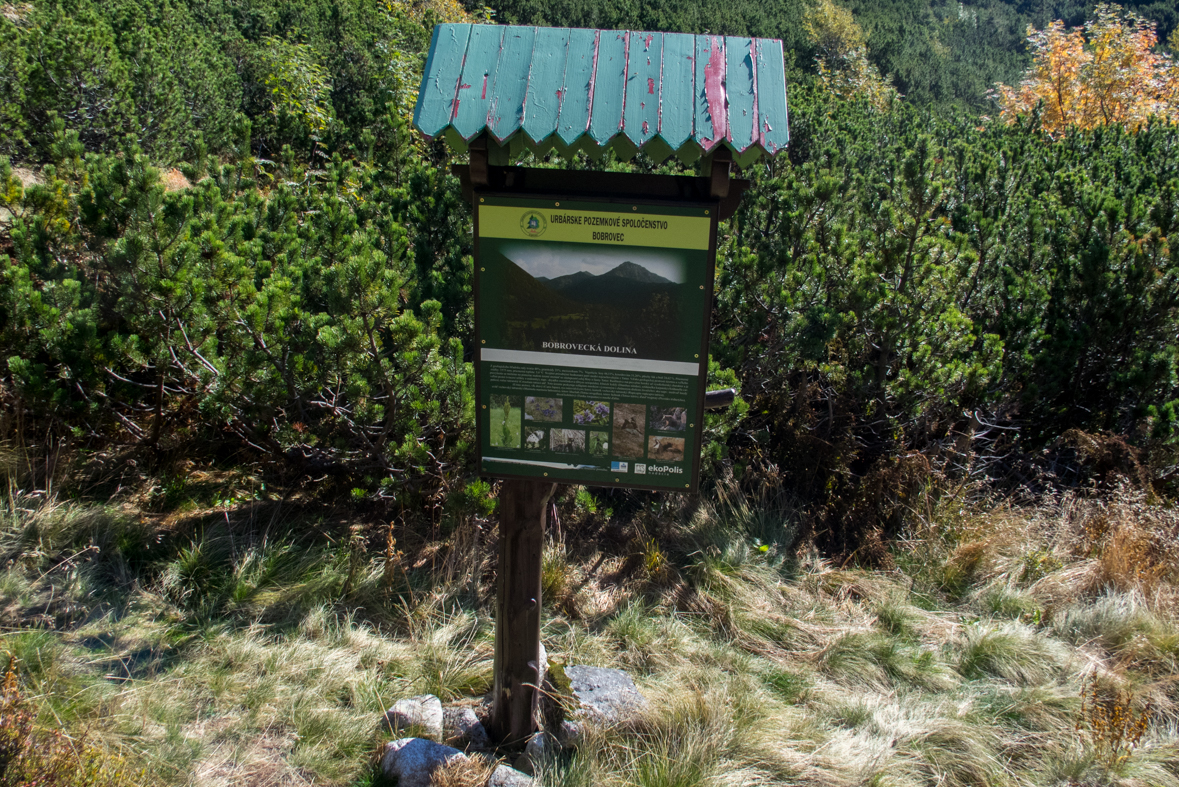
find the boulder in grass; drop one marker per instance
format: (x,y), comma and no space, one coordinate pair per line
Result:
(503,776)
(604,696)
(420,715)
(569,734)
(540,747)
(412,761)
(463,729)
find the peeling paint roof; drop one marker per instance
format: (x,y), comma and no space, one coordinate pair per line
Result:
(543,88)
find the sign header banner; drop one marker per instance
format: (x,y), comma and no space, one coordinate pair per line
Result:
(558,222)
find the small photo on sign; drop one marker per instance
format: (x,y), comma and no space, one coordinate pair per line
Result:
(567,441)
(589,412)
(535,439)
(669,449)
(668,419)
(629,430)
(599,443)
(504,419)
(540,408)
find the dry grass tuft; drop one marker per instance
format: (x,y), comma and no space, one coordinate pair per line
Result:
(174,180)
(1013,652)
(463,772)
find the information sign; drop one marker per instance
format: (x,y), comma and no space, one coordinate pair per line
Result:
(592,322)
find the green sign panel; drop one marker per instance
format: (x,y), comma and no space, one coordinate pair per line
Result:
(592,323)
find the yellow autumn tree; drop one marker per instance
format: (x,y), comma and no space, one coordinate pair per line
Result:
(1103,73)
(842,55)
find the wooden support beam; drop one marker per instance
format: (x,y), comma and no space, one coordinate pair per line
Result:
(523,507)
(719,400)
(477,151)
(721,163)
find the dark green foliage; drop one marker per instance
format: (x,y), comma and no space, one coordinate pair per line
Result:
(76,72)
(898,282)
(161,71)
(284,318)
(947,52)
(127,67)
(309,307)
(775,19)
(936,51)
(910,270)
(14,125)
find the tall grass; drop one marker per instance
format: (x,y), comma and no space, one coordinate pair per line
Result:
(253,644)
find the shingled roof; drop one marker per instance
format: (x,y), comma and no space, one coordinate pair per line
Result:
(542,88)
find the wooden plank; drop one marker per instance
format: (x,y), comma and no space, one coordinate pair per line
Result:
(741,92)
(478,80)
(711,121)
(546,77)
(506,109)
(435,106)
(577,94)
(606,112)
(643,79)
(771,96)
(522,511)
(676,105)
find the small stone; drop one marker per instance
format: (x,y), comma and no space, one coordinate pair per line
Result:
(569,734)
(606,696)
(503,776)
(421,715)
(541,746)
(464,729)
(412,760)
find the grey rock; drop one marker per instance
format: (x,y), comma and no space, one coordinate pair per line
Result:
(605,696)
(540,746)
(421,715)
(569,734)
(503,776)
(412,760)
(464,729)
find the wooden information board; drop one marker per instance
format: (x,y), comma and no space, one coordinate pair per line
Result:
(592,289)
(592,320)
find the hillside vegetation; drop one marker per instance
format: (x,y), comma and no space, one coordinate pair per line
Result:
(259,642)
(935,541)
(941,52)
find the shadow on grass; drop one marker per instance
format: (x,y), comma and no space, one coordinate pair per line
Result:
(263,562)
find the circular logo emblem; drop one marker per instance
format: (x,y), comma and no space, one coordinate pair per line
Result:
(533,224)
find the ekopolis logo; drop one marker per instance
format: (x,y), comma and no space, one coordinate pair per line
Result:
(533,224)
(664,469)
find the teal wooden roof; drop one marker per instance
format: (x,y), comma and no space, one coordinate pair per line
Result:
(544,88)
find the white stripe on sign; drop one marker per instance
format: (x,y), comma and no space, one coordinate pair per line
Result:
(591,362)
(557,465)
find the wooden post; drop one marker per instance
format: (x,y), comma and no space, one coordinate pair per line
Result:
(721,164)
(522,510)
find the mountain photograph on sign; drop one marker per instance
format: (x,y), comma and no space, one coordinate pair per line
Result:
(596,304)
